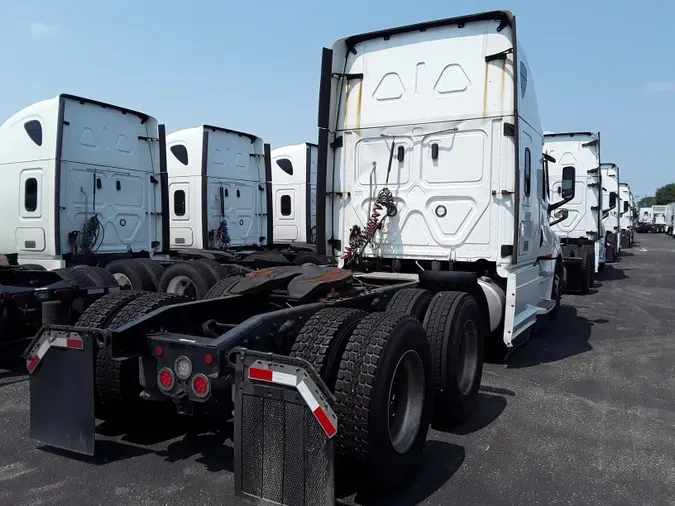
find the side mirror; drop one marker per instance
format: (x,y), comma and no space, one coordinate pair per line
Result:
(559,215)
(568,186)
(626,207)
(612,200)
(566,189)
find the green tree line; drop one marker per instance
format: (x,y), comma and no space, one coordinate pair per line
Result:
(664,195)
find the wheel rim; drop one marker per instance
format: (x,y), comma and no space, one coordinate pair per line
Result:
(123,281)
(406,401)
(181,285)
(468,357)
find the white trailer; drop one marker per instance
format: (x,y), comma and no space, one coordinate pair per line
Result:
(627,217)
(81,179)
(659,218)
(582,234)
(610,208)
(294,193)
(434,163)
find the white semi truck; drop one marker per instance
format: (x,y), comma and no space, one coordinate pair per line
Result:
(294,190)
(628,214)
(82,179)
(610,208)
(660,218)
(431,190)
(582,234)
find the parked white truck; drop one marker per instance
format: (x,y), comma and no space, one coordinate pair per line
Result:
(434,164)
(294,190)
(582,234)
(81,179)
(670,218)
(430,144)
(660,218)
(611,205)
(628,213)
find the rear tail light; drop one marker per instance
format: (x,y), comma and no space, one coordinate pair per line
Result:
(165,379)
(201,386)
(183,367)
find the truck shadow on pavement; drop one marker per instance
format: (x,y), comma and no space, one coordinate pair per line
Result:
(440,461)
(611,273)
(551,343)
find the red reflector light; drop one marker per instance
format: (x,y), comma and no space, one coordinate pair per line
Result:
(75,344)
(208,358)
(159,351)
(165,379)
(260,374)
(201,386)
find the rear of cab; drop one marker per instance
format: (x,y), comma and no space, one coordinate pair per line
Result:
(465,170)
(581,152)
(444,115)
(69,159)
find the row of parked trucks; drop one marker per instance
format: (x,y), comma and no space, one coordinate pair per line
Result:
(336,300)
(658,218)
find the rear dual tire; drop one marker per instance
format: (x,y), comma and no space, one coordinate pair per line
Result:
(117,386)
(389,386)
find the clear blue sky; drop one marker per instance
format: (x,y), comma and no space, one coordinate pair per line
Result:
(254,66)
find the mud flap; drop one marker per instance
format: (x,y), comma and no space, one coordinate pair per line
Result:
(574,278)
(61,363)
(284,428)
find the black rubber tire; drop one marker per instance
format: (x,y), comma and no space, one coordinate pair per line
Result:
(446,317)
(98,275)
(75,277)
(222,287)
(368,363)
(557,295)
(199,276)
(99,313)
(217,270)
(310,258)
(32,267)
(137,275)
(117,381)
(323,338)
(154,269)
(585,273)
(589,251)
(412,302)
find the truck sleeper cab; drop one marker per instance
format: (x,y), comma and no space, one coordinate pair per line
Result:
(294,190)
(82,179)
(627,222)
(428,166)
(611,205)
(582,234)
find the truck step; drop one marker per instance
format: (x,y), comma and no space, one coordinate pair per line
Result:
(546,304)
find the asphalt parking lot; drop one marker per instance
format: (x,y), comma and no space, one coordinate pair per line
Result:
(584,413)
